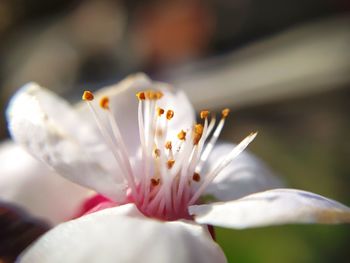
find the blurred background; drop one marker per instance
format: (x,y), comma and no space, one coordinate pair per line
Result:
(282,66)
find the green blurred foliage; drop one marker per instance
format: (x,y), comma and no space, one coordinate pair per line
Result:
(304,141)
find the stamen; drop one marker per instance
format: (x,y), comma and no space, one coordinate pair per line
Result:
(118,155)
(204,114)
(169,114)
(225,113)
(168,145)
(156,152)
(196,177)
(155,181)
(159,94)
(182,135)
(141,95)
(212,174)
(160,111)
(87,96)
(104,103)
(213,140)
(197,133)
(170,163)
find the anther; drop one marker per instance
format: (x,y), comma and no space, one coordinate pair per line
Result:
(156,152)
(104,103)
(87,95)
(197,133)
(225,112)
(169,114)
(168,145)
(196,177)
(155,181)
(159,94)
(182,135)
(153,95)
(204,114)
(170,163)
(141,95)
(160,111)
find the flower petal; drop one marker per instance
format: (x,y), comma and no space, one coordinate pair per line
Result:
(46,125)
(28,183)
(124,104)
(122,234)
(245,175)
(273,207)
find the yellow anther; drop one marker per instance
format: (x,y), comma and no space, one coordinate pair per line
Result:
(182,135)
(168,145)
(225,112)
(198,128)
(170,163)
(147,94)
(197,133)
(87,95)
(156,152)
(169,114)
(160,111)
(153,95)
(155,181)
(159,94)
(141,95)
(196,177)
(104,103)
(204,114)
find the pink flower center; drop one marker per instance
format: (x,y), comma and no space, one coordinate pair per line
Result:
(169,177)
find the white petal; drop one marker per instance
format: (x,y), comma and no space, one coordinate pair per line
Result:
(124,104)
(46,126)
(245,175)
(26,182)
(126,236)
(273,207)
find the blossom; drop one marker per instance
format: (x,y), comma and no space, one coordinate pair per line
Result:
(152,162)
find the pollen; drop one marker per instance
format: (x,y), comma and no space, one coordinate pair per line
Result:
(225,112)
(182,135)
(160,111)
(196,177)
(168,145)
(87,95)
(141,95)
(170,163)
(204,114)
(169,114)
(104,103)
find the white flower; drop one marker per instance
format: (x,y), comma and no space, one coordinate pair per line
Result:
(154,162)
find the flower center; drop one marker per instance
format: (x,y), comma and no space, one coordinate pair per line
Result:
(171,176)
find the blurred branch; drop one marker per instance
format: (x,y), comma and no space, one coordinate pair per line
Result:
(303,60)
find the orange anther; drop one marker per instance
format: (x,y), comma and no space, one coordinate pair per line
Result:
(87,95)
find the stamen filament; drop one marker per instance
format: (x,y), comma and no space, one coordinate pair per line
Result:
(211,175)
(113,148)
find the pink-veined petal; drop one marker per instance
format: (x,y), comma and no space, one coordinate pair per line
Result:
(44,124)
(122,234)
(273,207)
(245,175)
(28,183)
